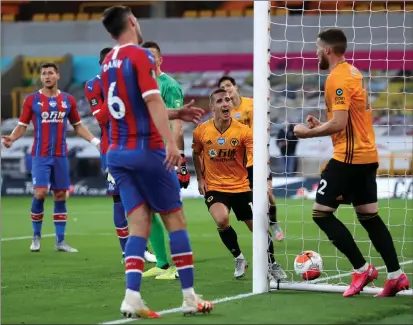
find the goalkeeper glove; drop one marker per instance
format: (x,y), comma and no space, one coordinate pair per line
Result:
(183,174)
(250,175)
(110,178)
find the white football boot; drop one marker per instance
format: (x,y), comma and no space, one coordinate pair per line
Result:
(193,304)
(241,265)
(63,247)
(134,307)
(149,257)
(35,246)
(275,272)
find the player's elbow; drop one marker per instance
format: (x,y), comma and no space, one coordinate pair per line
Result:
(339,125)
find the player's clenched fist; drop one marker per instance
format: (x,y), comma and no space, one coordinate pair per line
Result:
(173,157)
(6,141)
(312,122)
(183,174)
(301,131)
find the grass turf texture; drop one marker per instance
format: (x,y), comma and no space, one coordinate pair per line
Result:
(87,287)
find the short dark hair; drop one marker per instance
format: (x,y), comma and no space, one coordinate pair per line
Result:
(49,65)
(103,53)
(216,91)
(225,78)
(114,19)
(151,45)
(335,38)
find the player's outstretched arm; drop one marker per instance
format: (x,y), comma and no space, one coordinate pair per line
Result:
(24,122)
(17,133)
(187,113)
(158,112)
(79,128)
(197,159)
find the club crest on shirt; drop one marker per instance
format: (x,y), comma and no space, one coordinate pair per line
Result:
(234,142)
(237,115)
(212,153)
(221,141)
(53,104)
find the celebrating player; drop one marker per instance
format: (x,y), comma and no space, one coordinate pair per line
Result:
(173,97)
(49,109)
(94,95)
(138,161)
(350,176)
(220,144)
(243,111)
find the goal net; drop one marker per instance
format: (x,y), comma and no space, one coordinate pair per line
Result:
(284,48)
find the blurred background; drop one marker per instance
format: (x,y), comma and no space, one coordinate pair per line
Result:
(200,42)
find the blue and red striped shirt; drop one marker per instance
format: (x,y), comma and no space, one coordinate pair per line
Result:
(128,76)
(49,116)
(94,95)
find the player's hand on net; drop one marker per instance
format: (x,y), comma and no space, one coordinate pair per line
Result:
(189,113)
(312,122)
(202,187)
(301,131)
(183,174)
(6,141)
(173,157)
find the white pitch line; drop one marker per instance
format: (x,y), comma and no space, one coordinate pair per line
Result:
(204,235)
(350,273)
(176,310)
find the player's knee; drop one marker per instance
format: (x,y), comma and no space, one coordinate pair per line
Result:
(40,193)
(59,195)
(222,221)
(116,198)
(174,221)
(366,216)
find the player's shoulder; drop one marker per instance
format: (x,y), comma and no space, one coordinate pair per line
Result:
(240,127)
(33,95)
(90,84)
(169,81)
(204,126)
(344,71)
(67,96)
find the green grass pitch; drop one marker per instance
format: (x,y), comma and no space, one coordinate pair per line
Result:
(87,287)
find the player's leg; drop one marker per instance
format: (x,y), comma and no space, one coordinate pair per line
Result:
(162,192)
(242,205)
(163,270)
(275,227)
(335,181)
(366,206)
(41,169)
(139,225)
(60,183)
(120,221)
(219,206)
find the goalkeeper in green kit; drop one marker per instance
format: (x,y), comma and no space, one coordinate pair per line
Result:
(172,95)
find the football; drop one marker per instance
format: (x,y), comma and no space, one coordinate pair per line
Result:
(308,265)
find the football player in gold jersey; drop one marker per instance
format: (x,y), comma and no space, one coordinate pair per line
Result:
(350,176)
(219,150)
(243,111)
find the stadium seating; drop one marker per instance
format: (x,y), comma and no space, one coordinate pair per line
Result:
(39,17)
(8,18)
(53,17)
(68,17)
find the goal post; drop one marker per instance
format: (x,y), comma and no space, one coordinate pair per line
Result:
(288,86)
(261,154)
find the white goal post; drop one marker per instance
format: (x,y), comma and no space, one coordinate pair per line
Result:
(287,86)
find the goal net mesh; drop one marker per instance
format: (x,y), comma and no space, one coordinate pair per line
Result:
(379,45)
